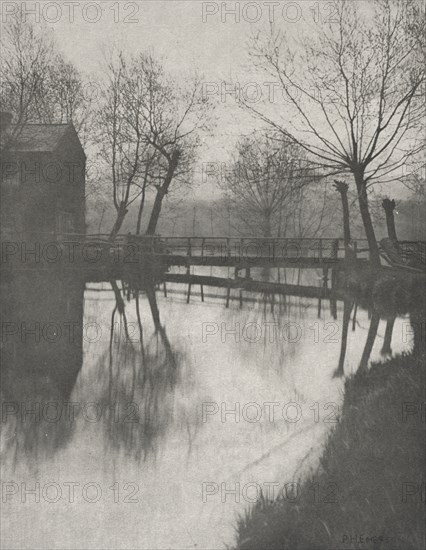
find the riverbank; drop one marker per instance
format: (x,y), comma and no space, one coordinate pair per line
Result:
(371,480)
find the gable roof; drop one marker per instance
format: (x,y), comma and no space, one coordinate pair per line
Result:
(40,137)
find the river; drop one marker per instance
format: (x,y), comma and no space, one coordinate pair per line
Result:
(120,430)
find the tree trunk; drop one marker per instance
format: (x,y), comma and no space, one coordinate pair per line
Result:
(161,193)
(346,224)
(366,219)
(389,207)
(121,214)
(342,188)
(345,208)
(139,222)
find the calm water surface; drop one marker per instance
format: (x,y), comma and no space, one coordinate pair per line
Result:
(120,408)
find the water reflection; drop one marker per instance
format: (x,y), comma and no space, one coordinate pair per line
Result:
(41,357)
(148,371)
(141,379)
(347,310)
(371,337)
(387,341)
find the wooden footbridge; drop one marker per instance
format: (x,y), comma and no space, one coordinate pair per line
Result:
(240,253)
(100,251)
(143,261)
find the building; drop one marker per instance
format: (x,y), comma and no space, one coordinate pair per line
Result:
(42,180)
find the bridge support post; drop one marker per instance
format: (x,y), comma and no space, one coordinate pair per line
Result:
(325,277)
(333,308)
(333,278)
(354,317)
(202,293)
(228,295)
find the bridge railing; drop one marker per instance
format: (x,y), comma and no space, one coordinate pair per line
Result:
(246,247)
(222,246)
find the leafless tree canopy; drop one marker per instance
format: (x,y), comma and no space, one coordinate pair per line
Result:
(38,84)
(354,108)
(353,91)
(270,185)
(148,128)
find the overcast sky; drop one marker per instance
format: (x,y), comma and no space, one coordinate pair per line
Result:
(210,37)
(174,30)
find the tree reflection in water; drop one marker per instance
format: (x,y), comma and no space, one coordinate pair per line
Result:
(139,376)
(387,341)
(142,376)
(347,310)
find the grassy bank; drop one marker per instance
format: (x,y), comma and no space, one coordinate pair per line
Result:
(369,457)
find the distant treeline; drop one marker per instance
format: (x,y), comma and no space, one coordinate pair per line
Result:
(218,218)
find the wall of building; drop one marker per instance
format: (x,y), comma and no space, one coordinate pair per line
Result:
(42,192)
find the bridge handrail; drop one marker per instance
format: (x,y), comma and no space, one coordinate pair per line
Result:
(170,237)
(236,237)
(192,241)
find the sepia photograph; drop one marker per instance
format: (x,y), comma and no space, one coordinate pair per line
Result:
(212,275)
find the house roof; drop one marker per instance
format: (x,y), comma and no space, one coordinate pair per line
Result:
(40,137)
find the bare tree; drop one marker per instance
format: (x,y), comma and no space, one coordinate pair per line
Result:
(149,132)
(415,177)
(314,210)
(121,134)
(37,84)
(66,98)
(173,117)
(353,91)
(268,185)
(27,53)
(262,182)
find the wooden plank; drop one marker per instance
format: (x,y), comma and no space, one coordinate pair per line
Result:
(250,286)
(218,261)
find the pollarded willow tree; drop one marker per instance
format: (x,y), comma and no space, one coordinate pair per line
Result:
(354,93)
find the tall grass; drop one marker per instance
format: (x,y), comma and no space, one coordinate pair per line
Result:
(370,455)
